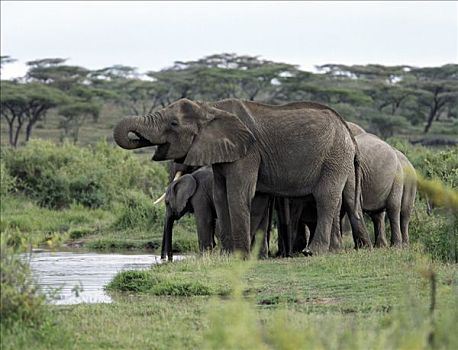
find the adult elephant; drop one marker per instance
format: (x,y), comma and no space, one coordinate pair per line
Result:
(389,186)
(294,149)
(193,193)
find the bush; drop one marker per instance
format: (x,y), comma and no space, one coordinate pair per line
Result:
(437,233)
(21,300)
(437,183)
(94,176)
(7,182)
(386,125)
(431,163)
(139,212)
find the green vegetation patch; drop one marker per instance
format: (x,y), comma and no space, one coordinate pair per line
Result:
(188,277)
(93,176)
(351,282)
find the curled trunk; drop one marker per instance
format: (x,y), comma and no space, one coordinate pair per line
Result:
(135,125)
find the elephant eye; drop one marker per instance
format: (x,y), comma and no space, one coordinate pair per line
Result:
(174,123)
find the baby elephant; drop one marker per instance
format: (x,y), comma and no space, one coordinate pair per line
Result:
(193,193)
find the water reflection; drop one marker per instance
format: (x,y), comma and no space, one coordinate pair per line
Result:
(81,277)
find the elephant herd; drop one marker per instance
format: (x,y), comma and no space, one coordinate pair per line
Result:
(235,161)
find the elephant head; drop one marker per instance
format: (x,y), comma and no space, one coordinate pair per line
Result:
(190,132)
(177,204)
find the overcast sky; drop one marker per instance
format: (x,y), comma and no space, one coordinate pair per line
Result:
(152,35)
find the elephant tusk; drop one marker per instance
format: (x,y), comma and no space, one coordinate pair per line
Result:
(177,175)
(161,198)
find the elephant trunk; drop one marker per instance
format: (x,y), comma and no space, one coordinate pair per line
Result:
(145,128)
(166,249)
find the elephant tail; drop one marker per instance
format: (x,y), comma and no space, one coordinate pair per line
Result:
(357,167)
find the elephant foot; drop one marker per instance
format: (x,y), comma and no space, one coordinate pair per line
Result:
(362,243)
(307,252)
(335,249)
(381,244)
(396,245)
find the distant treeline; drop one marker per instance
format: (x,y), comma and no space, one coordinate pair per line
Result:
(386,100)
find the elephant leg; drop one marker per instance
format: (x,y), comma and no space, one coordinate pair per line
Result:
(300,241)
(354,212)
(278,203)
(166,250)
(297,230)
(310,231)
(395,224)
(405,218)
(240,179)
(222,211)
(284,226)
(336,235)
(239,213)
(408,200)
(205,224)
(259,221)
(378,219)
(393,211)
(327,205)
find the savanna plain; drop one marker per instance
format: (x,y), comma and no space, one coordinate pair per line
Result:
(68,187)
(380,298)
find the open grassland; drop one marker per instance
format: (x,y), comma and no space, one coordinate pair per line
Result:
(377,299)
(100,197)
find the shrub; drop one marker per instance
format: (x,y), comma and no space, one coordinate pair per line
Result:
(7,182)
(139,212)
(58,175)
(437,233)
(21,300)
(431,163)
(386,125)
(437,183)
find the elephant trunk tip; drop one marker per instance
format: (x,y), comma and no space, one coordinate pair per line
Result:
(121,134)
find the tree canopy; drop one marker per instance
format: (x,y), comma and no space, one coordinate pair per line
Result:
(384,99)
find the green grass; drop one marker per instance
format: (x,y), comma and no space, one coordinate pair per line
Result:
(353,281)
(24,221)
(37,225)
(354,300)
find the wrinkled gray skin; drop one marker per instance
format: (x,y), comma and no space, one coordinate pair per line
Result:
(193,193)
(290,150)
(388,186)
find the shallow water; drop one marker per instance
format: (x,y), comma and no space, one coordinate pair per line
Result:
(81,277)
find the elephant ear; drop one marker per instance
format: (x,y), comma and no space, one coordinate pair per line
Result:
(223,138)
(182,190)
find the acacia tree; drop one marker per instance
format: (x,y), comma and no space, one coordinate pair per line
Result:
(75,114)
(125,88)
(5,60)
(221,76)
(13,104)
(26,104)
(53,72)
(437,90)
(75,81)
